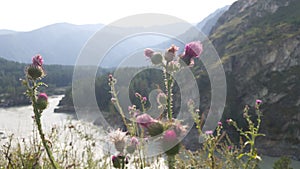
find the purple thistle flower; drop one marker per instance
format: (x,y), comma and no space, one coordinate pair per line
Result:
(43,96)
(170,136)
(148,52)
(193,49)
(145,120)
(258,101)
(116,161)
(134,141)
(37,60)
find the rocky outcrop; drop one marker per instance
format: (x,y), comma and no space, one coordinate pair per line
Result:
(259,44)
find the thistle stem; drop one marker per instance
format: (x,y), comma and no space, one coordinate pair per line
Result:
(169,86)
(171,161)
(37,115)
(118,106)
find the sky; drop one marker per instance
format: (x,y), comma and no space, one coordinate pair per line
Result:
(26,15)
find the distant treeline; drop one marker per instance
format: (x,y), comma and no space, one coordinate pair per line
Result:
(11,90)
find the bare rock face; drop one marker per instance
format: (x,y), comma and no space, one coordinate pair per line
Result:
(259,44)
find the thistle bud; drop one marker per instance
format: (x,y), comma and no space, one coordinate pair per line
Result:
(170,53)
(156,58)
(120,145)
(116,161)
(148,52)
(35,72)
(170,138)
(132,145)
(155,129)
(42,101)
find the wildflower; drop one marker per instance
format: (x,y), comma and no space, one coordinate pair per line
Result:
(144,100)
(209,132)
(229,147)
(118,137)
(134,141)
(116,161)
(37,60)
(132,145)
(126,160)
(148,52)
(170,138)
(192,50)
(35,72)
(132,108)
(229,121)
(258,101)
(219,123)
(42,101)
(110,77)
(155,128)
(156,58)
(111,80)
(170,53)
(145,120)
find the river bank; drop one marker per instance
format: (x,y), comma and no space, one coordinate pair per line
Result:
(18,120)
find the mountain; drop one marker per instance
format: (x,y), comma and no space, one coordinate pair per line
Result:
(209,22)
(200,31)
(61,43)
(259,45)
(58,43)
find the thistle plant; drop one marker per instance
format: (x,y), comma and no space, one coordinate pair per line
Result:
(166,127)
(33,74)
(250,135)
(211,139)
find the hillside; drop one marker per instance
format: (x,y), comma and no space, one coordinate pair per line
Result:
(259,44)
(11,91)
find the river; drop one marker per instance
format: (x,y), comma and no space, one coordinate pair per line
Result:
(18,120)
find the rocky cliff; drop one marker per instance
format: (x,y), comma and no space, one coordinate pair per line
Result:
(259,44)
